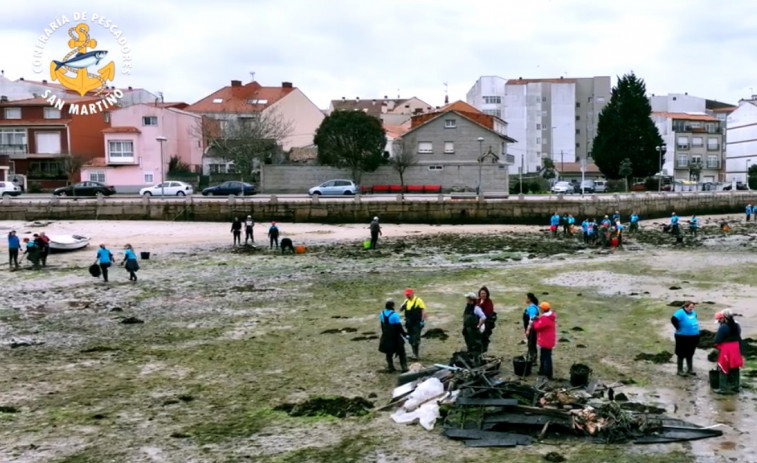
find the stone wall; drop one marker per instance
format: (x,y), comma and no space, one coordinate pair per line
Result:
(437,209)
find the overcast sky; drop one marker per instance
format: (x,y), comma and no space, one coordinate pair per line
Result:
(330,49)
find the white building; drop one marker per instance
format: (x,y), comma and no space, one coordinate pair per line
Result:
(741,140)
(549,118)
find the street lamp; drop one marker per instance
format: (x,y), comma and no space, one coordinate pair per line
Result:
(162,140)
(746,175)
(520,181)
(480,160)
(661,149)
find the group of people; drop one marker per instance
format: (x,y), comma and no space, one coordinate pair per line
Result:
(727,341)
(478,320)
(35,249)
(104,259)
(249,225)
(607,232)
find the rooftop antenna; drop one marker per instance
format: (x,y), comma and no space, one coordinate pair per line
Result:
(252,76)
(398,94)
(446,94)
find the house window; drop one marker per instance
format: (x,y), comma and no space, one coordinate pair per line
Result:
(712,161)
(97,176)
(492,100)
(492,112)
(450,123)
(425,147)
(589,100)
(600,99)
(12,141)
(713,144)
(449,147)
(538,126)
(51,113)
(578,144)
(696,159)
(711,127)
(578,131)
(120,151)
(538,140)
(106,117)
(544,99)
(697,142)
(682,143)
(436,167)
(47,169)
(578,104)
(149,179)
(149,120)
(48,142)
(578,118)
(682,161)
(13,113)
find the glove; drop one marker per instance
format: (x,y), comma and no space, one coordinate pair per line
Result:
(423,323)
(482,328)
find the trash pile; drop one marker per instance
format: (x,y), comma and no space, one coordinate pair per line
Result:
(478,407)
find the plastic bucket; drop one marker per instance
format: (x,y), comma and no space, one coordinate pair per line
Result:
(521,366)
(367,244)
(614,242)
(300,249)
(714,379)
(579,375)
(144,255)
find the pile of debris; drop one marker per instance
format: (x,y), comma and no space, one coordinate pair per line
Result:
(483,410)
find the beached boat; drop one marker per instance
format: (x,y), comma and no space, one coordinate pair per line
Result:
(62,243)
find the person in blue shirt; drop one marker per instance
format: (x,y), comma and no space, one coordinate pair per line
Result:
(685,322)
(585,230)
(32,251)
(531,312)
(104,259)
(634,227)
(273,235)
(571,223)
(615,217)
(693,225)
(130,262)
(674,229)
(393,336)
(13,246)
(619,227)
(748,210)
(606,222)
(592,229)
(554,222)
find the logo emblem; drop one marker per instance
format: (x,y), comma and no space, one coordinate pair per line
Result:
(73,71)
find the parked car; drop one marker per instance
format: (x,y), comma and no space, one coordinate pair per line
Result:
(600,186)
(335,187)
(172,188)
(639,186)
(9,189)
(85,189)
(230,188)
(739,186)
(562,188)
(587,186)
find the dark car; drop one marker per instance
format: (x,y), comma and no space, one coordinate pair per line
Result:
(230,188)
(85,189)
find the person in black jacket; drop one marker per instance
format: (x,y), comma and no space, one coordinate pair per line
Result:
(236,231)
(392,337)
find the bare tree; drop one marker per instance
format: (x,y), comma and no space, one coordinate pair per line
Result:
(72,164)
(403,156)
(246,138)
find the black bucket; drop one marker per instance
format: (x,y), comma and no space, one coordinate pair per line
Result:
(521,366)
(579,375)
(715,379)
(144,255)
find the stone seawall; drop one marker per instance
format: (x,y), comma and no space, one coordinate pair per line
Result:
(435,209)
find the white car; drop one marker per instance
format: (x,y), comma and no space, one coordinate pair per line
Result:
(562,188)
(335,187)
(9,189)
(171,188)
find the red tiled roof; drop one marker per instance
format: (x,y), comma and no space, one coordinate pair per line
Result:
(536,81)
(724,110)
(572,167)
(394,131)
(462,106)
(24,122)
(686,116)
(122,129)
(237,99)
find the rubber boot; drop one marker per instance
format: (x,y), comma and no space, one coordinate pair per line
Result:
(680,367)
(689,368)
(415,351)
(722,383)
(735,377)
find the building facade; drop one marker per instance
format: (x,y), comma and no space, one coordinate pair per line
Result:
(741,151)
(693,146)
(391,111)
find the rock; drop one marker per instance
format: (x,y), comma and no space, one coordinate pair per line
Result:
(660,357)
(131,321)
(580,346)
(554,457)
(577,328)
(674,287)
(116,309)
(676,303)
(620,397)
(563,340)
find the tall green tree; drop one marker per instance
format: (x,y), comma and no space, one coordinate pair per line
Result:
(626,130)
(351,140)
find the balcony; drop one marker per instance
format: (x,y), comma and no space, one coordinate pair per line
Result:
(13,149)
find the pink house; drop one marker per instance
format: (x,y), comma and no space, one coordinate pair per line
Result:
(133,157)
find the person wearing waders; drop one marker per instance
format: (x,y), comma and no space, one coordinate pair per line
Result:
(694,225)
(554,222)
(487,305)
(273,235)
(393,336)
(248,225)
(375,232)
(104,259)
(585,230)
(13,246)
(728,343)
(634,227)
(619,227)
(531,312)
(545,327)
(415,316)
(685,322)
(32,252)
(474,324)
(236,231)
(565,225)
(674,228)
(748,210)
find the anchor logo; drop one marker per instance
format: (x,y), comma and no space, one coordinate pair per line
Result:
(78,60)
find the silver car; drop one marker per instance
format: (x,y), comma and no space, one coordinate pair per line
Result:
(562,188)
(335,187)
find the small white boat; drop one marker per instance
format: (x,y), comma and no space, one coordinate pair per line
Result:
(61,243)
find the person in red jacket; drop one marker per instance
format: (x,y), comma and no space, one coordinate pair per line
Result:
(545,326)
(486,304)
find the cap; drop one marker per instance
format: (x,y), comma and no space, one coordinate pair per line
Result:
(719,316)
(408,291)
(470,295)
(545,306)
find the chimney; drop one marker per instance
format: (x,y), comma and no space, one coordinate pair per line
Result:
(286,85)
(44,81)
(3,98)
(129,87)
(373,102)
(357,98)
(344,98)
(386,97)
(236,83)
(21,78)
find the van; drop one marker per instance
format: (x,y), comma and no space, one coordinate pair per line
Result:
(587,186)
(600,186)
